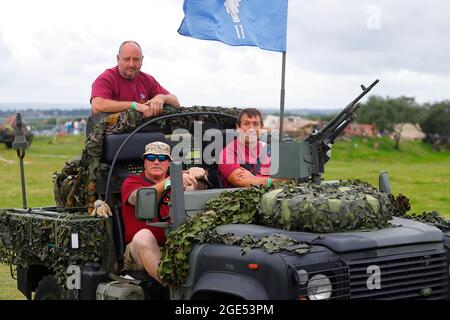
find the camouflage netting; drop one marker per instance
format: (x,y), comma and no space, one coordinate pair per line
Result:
(27,238)
(262,205)
(289,206)
(240,206)
(434,218)
(75,185)
(326,208)
(344,206)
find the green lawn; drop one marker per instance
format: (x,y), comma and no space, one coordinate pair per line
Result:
(8,285)
(416,171)
(45,156)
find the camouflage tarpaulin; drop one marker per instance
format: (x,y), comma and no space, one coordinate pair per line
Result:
(75,185)
(326,208)
(27,238)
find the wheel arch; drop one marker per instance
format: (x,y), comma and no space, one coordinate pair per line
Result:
(28,278)
(231,285)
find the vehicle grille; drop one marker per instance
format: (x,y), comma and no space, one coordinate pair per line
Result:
(402,277)
(339,281)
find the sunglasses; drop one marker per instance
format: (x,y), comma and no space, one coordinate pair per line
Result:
(160,157)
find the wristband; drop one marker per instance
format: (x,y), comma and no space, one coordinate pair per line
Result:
(269,182)
(133,105)
(167,184)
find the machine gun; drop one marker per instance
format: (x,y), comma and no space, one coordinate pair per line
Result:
(322,140)
(315,150)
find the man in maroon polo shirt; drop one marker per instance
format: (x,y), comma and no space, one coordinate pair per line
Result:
(245,161)
(143,242)
(126,87)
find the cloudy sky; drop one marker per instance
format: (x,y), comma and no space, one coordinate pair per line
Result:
(51,51)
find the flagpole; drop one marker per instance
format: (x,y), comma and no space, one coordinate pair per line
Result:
(283,74)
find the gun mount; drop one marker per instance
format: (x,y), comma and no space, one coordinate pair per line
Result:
(315,150)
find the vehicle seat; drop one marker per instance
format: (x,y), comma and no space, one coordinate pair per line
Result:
(128,162)
(213,169)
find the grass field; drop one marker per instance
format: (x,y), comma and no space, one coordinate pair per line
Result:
(45,156)
(415,171)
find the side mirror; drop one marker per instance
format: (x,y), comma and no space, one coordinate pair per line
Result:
(146,203)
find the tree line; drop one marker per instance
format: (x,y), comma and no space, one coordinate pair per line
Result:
(387,112)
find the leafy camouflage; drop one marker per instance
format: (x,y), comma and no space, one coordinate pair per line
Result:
(401,207)
(240,206)
(27,238)
(433,218)
(354,205)
(75,185)
(326,208)
(63,183)
(273,243)
(305,207)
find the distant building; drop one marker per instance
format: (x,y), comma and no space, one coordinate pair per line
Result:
(360,130)
(295,126)
(409,131)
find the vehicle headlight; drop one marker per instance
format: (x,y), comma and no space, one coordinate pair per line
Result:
(319,287)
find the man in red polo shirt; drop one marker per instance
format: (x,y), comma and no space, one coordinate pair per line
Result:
(126,87)
(143,242)
(246,161)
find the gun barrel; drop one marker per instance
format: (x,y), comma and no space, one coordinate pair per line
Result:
(339,118)
(365,91)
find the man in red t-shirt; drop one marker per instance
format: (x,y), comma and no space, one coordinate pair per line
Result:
(245,161)
(126,87)
(143,242)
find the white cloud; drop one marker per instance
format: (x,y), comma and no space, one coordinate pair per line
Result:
(51,51)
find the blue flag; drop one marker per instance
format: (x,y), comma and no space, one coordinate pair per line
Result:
(260,23)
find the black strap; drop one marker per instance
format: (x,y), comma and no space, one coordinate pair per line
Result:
(249,167)
(254,169)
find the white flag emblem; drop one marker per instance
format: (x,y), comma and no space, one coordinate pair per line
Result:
(232,7)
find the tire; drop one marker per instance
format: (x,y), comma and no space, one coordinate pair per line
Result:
(48,289)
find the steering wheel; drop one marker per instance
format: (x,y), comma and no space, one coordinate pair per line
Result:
(163,201)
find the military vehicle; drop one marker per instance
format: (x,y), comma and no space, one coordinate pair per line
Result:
(7,132)
(404,259)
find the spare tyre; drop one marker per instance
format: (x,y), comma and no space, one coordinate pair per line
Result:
(326,208)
